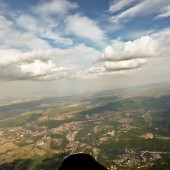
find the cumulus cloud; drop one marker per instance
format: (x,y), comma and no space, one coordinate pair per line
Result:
(80,52)
(16,64)
(13,56)
(50,64)
(143,47)
(34,65)
(163,37)
(12,72)
(46,41)
(37,67)
(80,56)
(34,70)
(40,70)
(125,65)
(132,55)
(113,68)
(85,27)
(54,63)
(96,72)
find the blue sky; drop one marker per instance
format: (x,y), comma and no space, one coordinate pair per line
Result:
(80,40)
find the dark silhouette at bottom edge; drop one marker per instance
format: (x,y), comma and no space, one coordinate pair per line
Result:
(81,161)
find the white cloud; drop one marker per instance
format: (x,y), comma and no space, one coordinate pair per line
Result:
(12,38)
(44,70)
(95,70)
(27,41)
(5,26)
(37,67)
(5,23)
(49,64)
(34,65)
(85,27)
(46,20)
(125,65)
(119,5)
(139,33)
(80,52)
(55,63)
(165,12)
(34,70)
(38,30)
(57,38)
(163,36)
(48,29)
(13,56)
(132,55)
(81,55)
(51,7)
(143,47)
(141,8)
(30,22)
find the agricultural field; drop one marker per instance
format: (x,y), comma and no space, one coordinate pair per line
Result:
(120,133)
